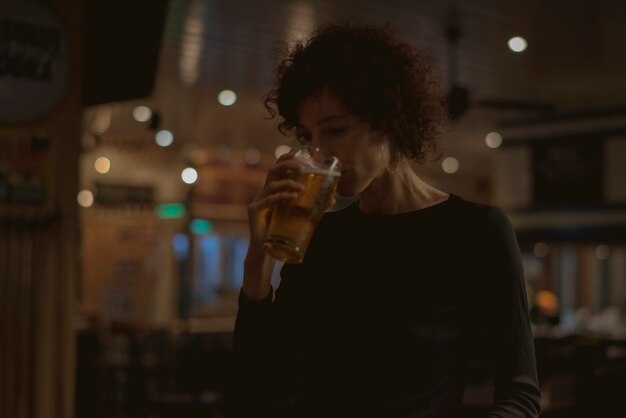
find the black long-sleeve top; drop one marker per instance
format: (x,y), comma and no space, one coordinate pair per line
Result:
(384,316)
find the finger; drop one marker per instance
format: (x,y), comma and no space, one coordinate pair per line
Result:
(271,200)
(280,169)
(285,185)
(277,186)
(290,164)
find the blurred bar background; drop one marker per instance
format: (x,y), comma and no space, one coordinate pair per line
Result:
(133,135)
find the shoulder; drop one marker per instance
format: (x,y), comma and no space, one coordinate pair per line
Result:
(488,224)
(481,214)
(494,248)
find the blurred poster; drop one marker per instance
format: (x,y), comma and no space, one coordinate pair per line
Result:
(25,167)
(120,268)
(118,194)
(569,172)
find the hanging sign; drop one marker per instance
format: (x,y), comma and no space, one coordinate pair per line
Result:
(34,60)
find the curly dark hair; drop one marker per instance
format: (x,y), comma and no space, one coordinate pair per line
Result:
(382,80)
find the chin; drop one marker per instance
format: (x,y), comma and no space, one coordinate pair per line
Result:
(346,195)
(347,189)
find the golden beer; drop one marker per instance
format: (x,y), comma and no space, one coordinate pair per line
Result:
(292,223)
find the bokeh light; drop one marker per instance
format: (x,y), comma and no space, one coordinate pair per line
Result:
(493,140)
(227,97)
(85,198)
(517,44)
(189,175)
(142,113)
(252,156)
(602,252)
(541,249)
(164,138)
(102,165)
(450,165)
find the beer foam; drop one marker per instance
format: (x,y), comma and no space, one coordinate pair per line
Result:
(310,165)
(304,157)
(318,170)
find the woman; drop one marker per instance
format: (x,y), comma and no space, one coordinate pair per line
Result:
(399,292)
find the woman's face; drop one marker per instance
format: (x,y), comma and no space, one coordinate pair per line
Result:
(325,122)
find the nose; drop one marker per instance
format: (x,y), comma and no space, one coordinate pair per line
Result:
(316,142)
(322,144)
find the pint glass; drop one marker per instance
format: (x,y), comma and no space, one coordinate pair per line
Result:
(292,223)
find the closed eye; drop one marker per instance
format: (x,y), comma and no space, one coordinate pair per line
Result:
(336,131)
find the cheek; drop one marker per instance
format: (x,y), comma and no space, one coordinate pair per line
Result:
(359,149)
(345,189)
(362,156)
(370,163)
(362,171)
(349,184)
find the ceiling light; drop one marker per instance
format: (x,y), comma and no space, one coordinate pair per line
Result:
(517,44)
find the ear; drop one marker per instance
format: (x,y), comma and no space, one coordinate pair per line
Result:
(389,151)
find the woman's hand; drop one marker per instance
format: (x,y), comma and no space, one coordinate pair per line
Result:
(258,265)
(277,188)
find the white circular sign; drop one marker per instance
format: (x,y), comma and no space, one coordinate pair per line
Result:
(34,60)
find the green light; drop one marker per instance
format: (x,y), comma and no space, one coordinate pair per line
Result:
(170,210)
(200,226)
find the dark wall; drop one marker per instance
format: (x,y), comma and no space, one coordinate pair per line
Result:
(122,41)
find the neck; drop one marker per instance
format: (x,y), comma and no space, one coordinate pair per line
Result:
(399,192)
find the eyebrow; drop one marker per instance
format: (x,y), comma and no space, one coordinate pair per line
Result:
(323,121)
(332,117)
